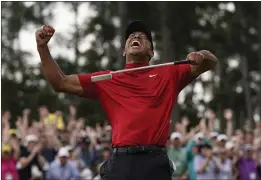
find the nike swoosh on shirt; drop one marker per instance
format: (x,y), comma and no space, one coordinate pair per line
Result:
(153,75)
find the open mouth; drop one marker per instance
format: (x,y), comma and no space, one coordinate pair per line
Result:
(135,43)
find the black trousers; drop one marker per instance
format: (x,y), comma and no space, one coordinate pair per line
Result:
(137,166)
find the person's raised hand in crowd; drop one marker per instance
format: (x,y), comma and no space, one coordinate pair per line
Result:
(203,126)
(6,118)
(6,126)
(178,127)
(43,112)
(228,114)
(211,116)
(18,122)
(72,112)
(184,124)
(80,124)
(26,112)
(14,143)
(98,129)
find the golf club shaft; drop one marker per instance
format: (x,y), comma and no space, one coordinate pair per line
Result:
(109,76)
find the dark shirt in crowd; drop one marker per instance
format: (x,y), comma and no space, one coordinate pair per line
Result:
(25,173)
(49,154)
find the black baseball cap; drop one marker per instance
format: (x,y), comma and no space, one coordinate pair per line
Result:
(136,26)
(205,145)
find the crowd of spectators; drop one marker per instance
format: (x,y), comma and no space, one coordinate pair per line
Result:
(205,153)
(57,147)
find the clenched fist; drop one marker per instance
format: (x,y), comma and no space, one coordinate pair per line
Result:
(196,58)
(43,35)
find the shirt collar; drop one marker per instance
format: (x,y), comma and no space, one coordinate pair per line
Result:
(135,65)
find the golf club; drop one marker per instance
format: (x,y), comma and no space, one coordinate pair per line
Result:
(104,77)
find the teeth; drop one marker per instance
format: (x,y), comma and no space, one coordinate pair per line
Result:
(134,42)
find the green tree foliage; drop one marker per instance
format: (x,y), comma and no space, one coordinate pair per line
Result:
(230,30)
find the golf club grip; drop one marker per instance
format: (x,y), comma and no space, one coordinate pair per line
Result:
(101,77)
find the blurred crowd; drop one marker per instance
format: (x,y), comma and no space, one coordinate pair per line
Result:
(205,153)
(57,147)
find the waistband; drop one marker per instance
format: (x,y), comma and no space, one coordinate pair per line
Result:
(139,149)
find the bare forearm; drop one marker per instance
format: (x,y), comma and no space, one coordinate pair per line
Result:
(229,128)
(24,163)
(210,125)
(25,122)
(51,70)
(6,135)
(41,161)
(16,153)
(203,166)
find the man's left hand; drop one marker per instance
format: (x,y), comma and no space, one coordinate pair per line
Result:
(196,58)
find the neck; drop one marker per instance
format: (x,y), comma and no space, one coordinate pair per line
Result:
(175,147)
(136,64)
(136,59)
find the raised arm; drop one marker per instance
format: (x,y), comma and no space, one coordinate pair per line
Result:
(59,81)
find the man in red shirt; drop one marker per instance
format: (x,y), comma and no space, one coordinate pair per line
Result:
(138,104)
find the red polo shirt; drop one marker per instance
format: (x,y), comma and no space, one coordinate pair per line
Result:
(138,104)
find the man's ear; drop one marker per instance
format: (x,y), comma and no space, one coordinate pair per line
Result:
(123,52)
(151,53)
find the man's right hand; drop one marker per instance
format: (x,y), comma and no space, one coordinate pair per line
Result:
(44,35)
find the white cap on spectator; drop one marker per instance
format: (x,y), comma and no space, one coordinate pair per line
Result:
(69,148)
(63,152)
(213,134)
(199,136)
(175,135)
(222,137)
(229,145)
(30,138)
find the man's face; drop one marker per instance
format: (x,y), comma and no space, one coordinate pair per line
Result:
(138,45)
(106,155)
(249,154)
(63,160)
(214,139)
(222,154)
(205,151)
(249,138)
(176,142)
(6,155)
(31,145)
(223,143)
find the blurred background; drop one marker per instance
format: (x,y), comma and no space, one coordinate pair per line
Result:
(89,37)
